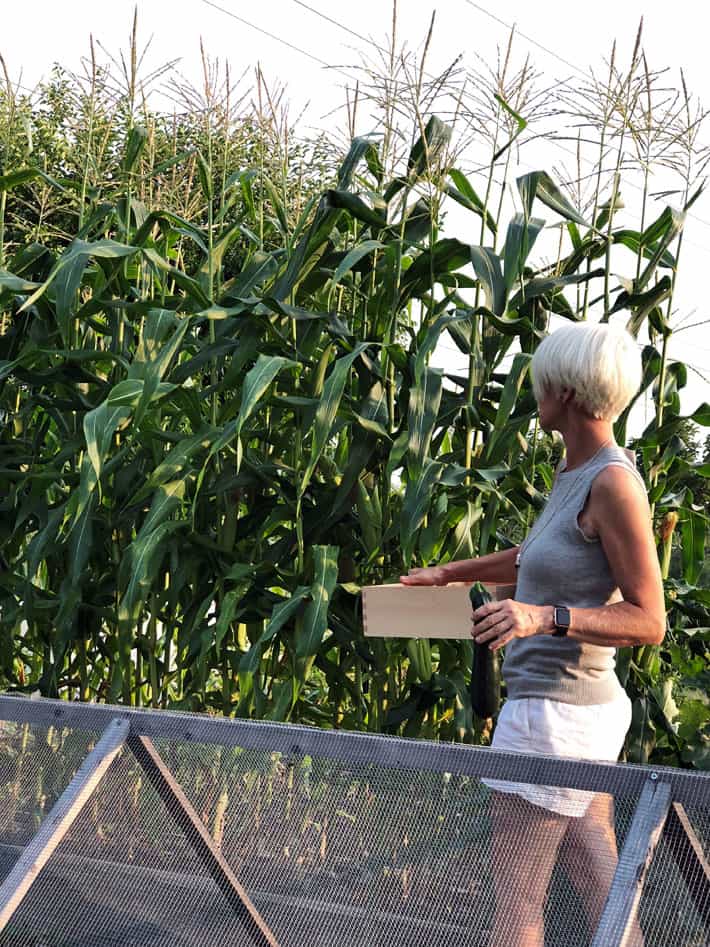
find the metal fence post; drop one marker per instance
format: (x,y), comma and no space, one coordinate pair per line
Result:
(60,819)
(624,895)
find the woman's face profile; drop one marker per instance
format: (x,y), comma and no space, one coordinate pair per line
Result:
(548,409)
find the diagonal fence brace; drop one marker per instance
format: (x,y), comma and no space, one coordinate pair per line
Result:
(184,816)
(687,851)
(619,915)
(60,818)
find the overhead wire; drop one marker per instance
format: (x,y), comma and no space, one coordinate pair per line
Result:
(342,26)
(530,39)
(483,169)
(278,39)
(551,52)
(347,29)
(352,32)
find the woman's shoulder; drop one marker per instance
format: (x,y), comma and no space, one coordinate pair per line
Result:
(615,453)
(618,477)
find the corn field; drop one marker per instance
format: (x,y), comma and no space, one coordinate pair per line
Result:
(221,408)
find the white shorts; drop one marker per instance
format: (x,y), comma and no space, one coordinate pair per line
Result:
(542,726)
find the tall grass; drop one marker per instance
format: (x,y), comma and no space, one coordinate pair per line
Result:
(223,414)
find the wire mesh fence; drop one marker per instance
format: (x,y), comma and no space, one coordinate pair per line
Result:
(328,838)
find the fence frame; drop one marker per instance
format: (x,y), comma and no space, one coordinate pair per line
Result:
(661,791)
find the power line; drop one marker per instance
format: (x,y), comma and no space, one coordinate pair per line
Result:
(512,26)
(340,25)
(278,39)
(352,32)
(551,52)
(346,29)
(529,39)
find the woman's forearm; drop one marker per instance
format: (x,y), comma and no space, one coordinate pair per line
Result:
(495,567)
(617,626)
(613,626)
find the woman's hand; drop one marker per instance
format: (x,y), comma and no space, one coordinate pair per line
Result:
(434,575)
(497,623)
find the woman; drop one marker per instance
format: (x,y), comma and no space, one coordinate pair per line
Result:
(587,582)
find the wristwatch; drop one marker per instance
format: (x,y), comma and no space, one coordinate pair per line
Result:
(561,620)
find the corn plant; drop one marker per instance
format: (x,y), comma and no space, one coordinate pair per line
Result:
(223,416)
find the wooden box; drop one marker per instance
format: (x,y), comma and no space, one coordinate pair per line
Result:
(422,611)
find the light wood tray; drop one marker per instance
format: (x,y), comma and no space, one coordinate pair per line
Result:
(422,611)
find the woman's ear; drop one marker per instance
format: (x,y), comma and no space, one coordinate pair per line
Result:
(566,395)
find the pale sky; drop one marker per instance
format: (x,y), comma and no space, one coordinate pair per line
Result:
(37,33)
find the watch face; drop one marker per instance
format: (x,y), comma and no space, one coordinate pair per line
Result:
(562,620)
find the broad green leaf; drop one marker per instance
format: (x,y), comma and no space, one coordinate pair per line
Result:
(335,324)
(137,138)
(75,258)
(174,462)
(661,233)
(315,616)
(219,250)
(548,285)
(7,367)
(227,612)
(360,147)
(153,356)
(461,543)
(508,398)
(444,257)
(313,241)
(429,148)
(166,499)
(632,240)
(357,208)
(99,428)
(327,410)
(126,393)
(16,178)
(539,184)
(171,224)
(370,518)
(486,265)
(354,256)
(424,402)
(281,614)
(464,193)
(278,205)
(136,576)
(520,238)
(693,532)
(191,287)
(432,333)
(415,226)
(641,738)
(256,383)
(16,284)
(417,500)
(701,415)
(361,450)
(205,176)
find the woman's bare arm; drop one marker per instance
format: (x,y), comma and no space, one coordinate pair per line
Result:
(495,567)
(619,514)
(621,518)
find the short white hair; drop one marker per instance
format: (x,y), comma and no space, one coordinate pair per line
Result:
(600,361)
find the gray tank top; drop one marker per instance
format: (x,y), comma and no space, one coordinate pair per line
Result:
(559,565)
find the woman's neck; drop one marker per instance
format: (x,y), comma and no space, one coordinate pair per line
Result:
(584,439)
